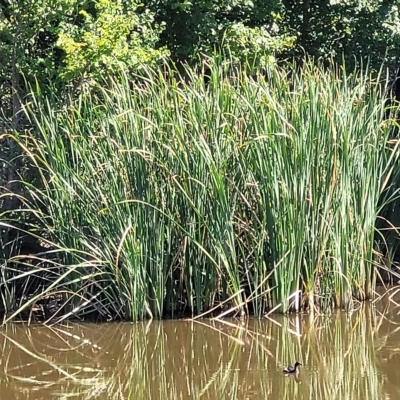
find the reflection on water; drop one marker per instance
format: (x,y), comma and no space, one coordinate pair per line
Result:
(344,356)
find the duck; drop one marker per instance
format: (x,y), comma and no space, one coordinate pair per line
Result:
(292,370)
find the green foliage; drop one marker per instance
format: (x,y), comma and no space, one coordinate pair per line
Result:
(28,30)
(56,41)
(245,27)
(224,148)
(253,45)
(188,193)
(350,28)
(59,41)
(115,35)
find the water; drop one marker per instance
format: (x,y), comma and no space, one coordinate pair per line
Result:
(344,356)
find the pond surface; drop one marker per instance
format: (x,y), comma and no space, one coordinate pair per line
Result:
(344,356)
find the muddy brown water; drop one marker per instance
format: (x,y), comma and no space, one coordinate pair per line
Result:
(344,356)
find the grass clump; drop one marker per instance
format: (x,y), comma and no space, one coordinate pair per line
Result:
(162,194)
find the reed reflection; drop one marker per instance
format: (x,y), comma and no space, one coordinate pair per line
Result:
(344,356)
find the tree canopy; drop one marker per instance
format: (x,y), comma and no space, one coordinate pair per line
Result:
(60,41)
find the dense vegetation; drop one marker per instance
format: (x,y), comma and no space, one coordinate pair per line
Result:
(59,42)
(160,158)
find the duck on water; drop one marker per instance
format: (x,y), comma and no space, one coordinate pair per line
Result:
(292,370)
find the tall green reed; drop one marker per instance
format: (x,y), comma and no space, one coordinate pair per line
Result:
(320,160)
(164,193)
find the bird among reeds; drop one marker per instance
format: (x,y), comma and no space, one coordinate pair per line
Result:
(292,370)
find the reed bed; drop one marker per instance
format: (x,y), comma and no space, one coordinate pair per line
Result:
(158,194)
